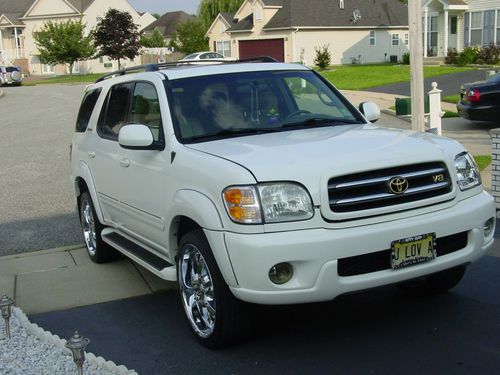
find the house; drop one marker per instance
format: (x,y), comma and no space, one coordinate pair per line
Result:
(20,18)
(167,24)
(356,31)
(459,23)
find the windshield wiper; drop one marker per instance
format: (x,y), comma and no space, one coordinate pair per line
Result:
(234,132)
(315,122)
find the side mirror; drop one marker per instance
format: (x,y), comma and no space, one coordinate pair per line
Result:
(136,137)
(370,110)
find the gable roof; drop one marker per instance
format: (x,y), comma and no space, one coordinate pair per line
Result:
(81,5)
(13,18)
(246,24)
(15,6)
(228,17)
(167,24)
(327,13)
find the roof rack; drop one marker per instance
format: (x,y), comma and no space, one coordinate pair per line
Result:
(175,64)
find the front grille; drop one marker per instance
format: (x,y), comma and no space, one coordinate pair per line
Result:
(372,189)
(381,260)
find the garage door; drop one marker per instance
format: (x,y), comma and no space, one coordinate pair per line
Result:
(269,47)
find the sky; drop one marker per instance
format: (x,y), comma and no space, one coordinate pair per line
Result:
(163,6)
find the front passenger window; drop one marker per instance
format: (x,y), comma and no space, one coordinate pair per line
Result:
(116,112)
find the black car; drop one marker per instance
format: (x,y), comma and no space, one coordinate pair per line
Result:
(480,101)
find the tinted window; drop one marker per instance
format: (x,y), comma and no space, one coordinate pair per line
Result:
(11,69)
(86,109)
(115,114)
(226,105)
(146,108)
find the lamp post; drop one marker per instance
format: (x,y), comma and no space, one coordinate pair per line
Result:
(5,306)
(77,345)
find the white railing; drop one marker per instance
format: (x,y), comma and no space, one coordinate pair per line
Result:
(157,51)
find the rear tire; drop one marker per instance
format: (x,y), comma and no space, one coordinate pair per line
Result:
(436,283)
(97,249)
(213,313)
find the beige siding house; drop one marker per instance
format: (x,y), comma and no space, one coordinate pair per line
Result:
(356,31)
(459,23)
(20,18)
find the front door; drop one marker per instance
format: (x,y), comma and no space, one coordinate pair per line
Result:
(452,35)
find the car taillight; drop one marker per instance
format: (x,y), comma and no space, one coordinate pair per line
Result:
(474,95)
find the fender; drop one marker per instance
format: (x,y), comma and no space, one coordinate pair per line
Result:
(84,173)
(201,209)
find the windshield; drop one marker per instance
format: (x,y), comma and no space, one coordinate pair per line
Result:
(228,105)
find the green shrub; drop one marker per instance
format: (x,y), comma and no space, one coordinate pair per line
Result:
(323,57)
(468,56)
(405,59)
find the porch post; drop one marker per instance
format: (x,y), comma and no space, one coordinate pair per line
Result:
(17,42)
(426,29)
(1,41)
(446,31)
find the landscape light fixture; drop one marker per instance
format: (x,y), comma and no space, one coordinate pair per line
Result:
(77,345)
(5,305)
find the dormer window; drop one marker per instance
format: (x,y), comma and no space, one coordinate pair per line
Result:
(341,4)
(258,14)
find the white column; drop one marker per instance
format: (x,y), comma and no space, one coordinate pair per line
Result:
(435,109)
(416,65)
(446,33)
(426,29)
(1,41)
(17,42)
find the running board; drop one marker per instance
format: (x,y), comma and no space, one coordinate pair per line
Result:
(140,254)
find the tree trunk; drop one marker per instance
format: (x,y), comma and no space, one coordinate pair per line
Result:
(119,64)
(71,68)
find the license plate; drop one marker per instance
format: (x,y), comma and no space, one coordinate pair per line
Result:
(414,250)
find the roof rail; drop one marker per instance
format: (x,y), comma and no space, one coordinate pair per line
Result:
(174,64)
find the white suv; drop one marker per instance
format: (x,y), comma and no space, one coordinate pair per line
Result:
(259,182)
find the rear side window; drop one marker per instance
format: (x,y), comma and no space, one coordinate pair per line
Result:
(115,114)
(11,69)
(86,109)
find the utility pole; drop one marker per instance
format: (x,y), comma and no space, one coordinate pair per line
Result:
(416,65)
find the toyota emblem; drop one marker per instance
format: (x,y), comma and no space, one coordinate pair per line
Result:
(398,185)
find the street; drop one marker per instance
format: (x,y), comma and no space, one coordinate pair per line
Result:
(37,199)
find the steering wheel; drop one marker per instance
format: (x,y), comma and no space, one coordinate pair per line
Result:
(296,113)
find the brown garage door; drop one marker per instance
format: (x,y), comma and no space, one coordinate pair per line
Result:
(268,47)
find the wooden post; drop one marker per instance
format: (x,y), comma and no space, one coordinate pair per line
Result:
(416,65)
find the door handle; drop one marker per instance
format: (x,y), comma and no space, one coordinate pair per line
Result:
(91,154)
(124,163)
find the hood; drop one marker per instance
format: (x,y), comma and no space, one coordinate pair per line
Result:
(313,156)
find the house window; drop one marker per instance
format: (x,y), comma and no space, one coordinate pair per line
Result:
(395,39)
(48,69)
(489,27)
(453,25)
(372,38)
(258,14)
(498,27)
(407,39)
(476,28)
(223,47)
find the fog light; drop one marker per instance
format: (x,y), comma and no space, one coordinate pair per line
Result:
(281,273)
(488,227)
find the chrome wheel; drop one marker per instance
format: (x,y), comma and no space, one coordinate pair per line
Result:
(197,291)
(88,226)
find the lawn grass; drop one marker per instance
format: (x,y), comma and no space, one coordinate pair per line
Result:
(482,161)
(362,77)
(447,114)
(75,79)
(454,99)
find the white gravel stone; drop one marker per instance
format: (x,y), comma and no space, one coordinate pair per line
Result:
(26,353)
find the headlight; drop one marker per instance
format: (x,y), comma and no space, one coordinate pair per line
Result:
(268,203)
(467,172)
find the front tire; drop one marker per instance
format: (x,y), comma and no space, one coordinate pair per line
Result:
(436,283)
(97,249)
(210,308)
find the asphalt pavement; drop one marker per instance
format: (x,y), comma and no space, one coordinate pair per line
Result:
(449,83)
(380,331)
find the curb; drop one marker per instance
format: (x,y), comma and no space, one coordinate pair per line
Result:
(59,343)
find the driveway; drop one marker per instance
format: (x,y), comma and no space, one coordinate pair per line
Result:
(449,83)
(37,202)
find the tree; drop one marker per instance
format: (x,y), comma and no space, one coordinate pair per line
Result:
(156,15)
(190,37)
(209,9)
(323,57)
(155,40)
(117,36)
(63,43)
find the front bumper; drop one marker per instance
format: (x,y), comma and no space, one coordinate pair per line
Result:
(314,254)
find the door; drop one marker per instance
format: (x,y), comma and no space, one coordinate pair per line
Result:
(268,47)
(452,36)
